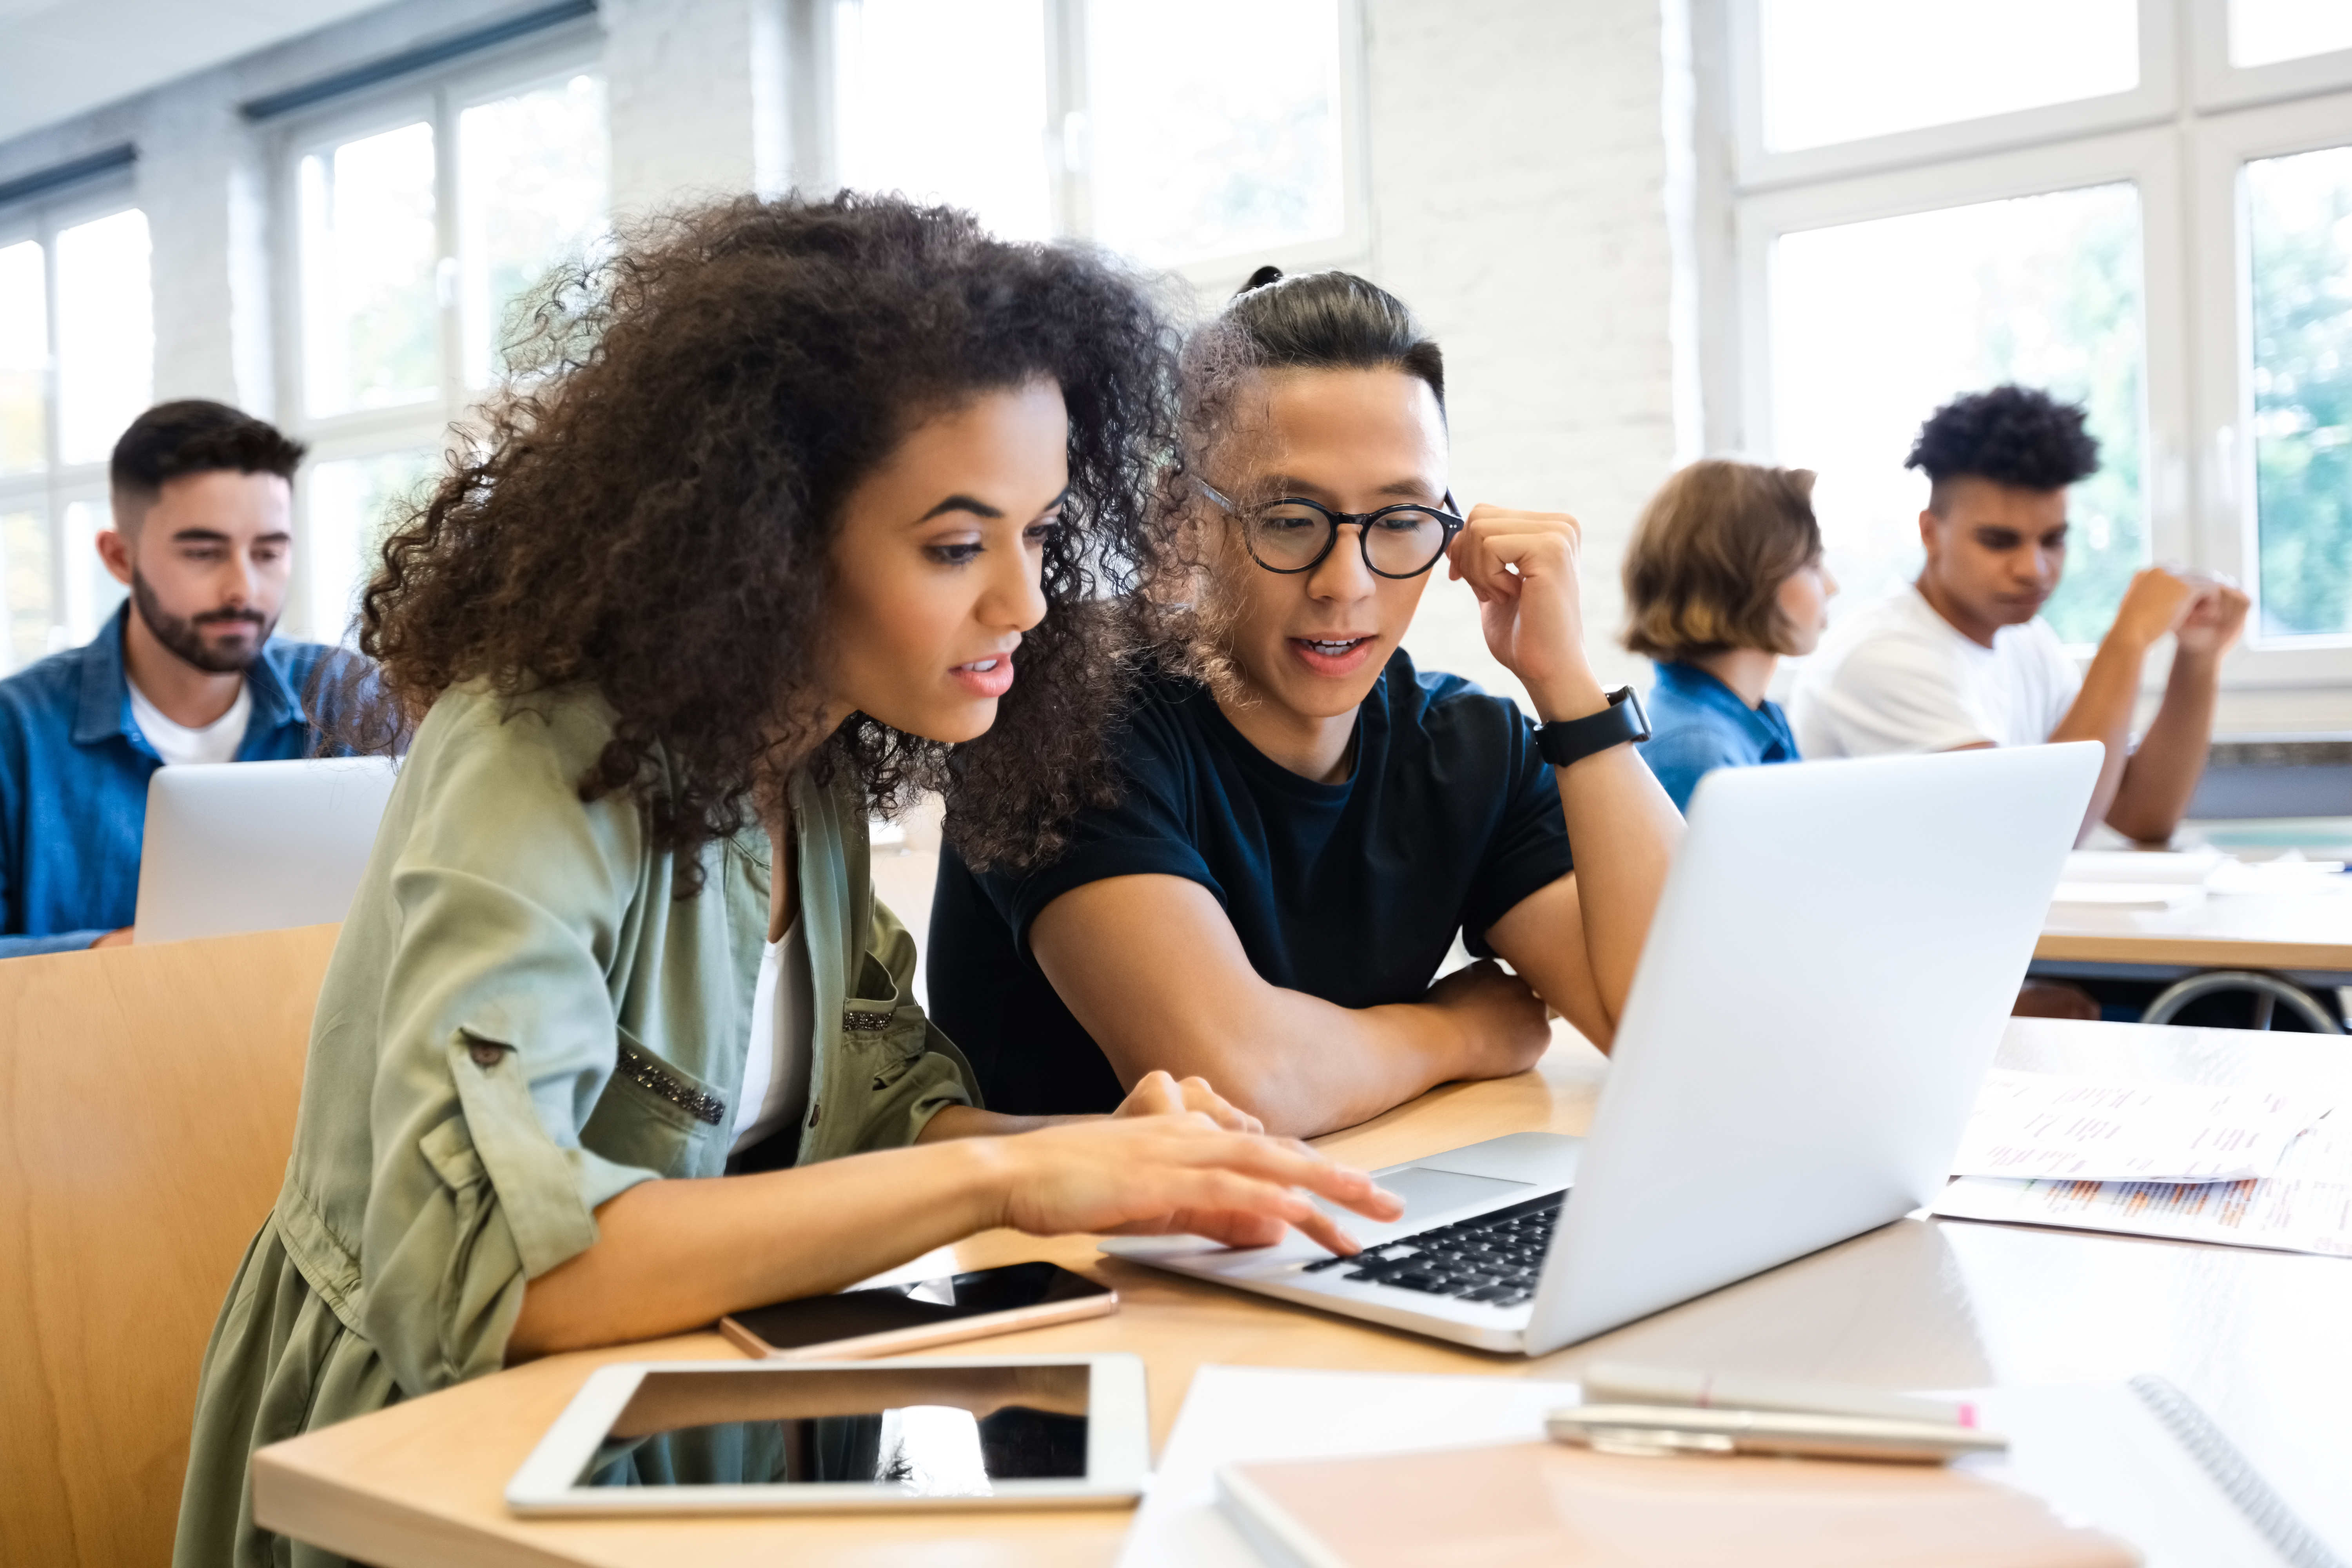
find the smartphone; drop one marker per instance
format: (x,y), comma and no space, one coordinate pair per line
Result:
(895,1319)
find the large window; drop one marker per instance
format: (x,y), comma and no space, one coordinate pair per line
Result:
(1204,136)
(1912,226)
(421,222)
(77,364)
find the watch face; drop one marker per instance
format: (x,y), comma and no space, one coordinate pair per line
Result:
(1638,715)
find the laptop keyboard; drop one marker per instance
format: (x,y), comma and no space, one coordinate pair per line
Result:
(1495,1258)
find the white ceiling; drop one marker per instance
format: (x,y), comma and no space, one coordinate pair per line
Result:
(58,58)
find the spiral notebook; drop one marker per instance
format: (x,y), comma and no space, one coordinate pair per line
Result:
(2138,1462)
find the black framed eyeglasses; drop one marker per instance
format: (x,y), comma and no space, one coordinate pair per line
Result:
(1295,534)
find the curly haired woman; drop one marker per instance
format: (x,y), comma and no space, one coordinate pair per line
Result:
(789,494)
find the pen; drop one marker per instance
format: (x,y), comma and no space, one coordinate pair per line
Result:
(1614,1382)
(1657,1429)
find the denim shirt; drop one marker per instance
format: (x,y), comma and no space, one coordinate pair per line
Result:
(73,784)
(1698,724)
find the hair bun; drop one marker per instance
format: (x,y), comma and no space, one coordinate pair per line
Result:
(1259,280)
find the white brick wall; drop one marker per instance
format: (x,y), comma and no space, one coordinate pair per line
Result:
(1518,173)
(697,96)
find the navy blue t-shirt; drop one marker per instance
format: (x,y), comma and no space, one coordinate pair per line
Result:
(1351,892)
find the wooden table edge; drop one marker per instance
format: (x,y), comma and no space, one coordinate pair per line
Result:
(291,1500)
(2194,952)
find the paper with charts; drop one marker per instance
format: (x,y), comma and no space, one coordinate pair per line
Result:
(2305,1207)
(2047,1125)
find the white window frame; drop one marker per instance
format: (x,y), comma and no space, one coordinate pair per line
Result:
(2224,397)
(437,98)
(59,485)
(2218,84)
(2181,137)
(1759,167)
(1065,118)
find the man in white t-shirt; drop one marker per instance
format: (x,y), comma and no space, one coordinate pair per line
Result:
(1961,658)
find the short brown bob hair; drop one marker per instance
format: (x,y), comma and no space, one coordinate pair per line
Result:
(1709,554)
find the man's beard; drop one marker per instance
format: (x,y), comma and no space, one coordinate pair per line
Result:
(183,635)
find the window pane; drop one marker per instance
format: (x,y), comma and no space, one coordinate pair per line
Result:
(25,593)
(2264,31)
(530,191)
(91,593)
(945,99)
(2299,244)
(106,334)
(349,502)
(24,361)
(1202,148)
(371,322)
(1875,324)
(1836,70)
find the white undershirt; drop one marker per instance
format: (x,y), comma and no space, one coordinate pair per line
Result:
(784,1034)
(216,742)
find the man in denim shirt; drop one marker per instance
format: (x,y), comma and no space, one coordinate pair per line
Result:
(186,671)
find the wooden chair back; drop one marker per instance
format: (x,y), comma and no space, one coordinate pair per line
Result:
(147,1102)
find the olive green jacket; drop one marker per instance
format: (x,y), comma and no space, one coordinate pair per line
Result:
(521,1021)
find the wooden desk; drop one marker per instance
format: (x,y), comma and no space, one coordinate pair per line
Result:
(2308,936)
(2258,1339)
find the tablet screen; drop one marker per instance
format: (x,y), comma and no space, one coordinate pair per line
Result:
(948,1431)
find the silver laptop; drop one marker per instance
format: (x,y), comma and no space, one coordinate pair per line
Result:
(1823,990)
(237,847)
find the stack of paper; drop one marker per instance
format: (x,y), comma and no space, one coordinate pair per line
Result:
(2046,1125)
(2247,1167)
(2136,880)
(2159,880)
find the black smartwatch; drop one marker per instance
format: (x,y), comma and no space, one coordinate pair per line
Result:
(1566,740)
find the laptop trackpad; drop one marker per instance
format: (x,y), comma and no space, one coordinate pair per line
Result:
(1426,1192)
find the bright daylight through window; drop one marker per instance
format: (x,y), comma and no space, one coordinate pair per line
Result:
(406,306)
(1874,324)
(1198,149)
(1837,71)
(63,401)
(2299,247)
(2263,32)
(1187,148)
(2170,245)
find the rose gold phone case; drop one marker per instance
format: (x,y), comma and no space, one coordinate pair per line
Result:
(896,1341)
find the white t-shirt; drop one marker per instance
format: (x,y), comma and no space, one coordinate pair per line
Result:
(1898,676)
(783,1045)
(216,742)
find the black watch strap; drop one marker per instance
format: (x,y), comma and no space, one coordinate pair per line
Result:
(1566,740)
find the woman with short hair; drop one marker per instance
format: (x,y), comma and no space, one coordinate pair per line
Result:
(1723,578)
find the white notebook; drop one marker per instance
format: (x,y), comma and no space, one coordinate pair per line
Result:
(2140,1461)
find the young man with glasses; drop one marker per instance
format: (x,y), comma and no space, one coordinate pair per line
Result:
(1298,838)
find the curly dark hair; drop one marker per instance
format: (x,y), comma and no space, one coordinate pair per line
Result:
(2012,436)
(649,507)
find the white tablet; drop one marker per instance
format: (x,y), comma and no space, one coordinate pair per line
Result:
(762,1436)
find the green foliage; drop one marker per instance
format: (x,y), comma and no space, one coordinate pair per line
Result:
(2299,213)
(2066,317)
